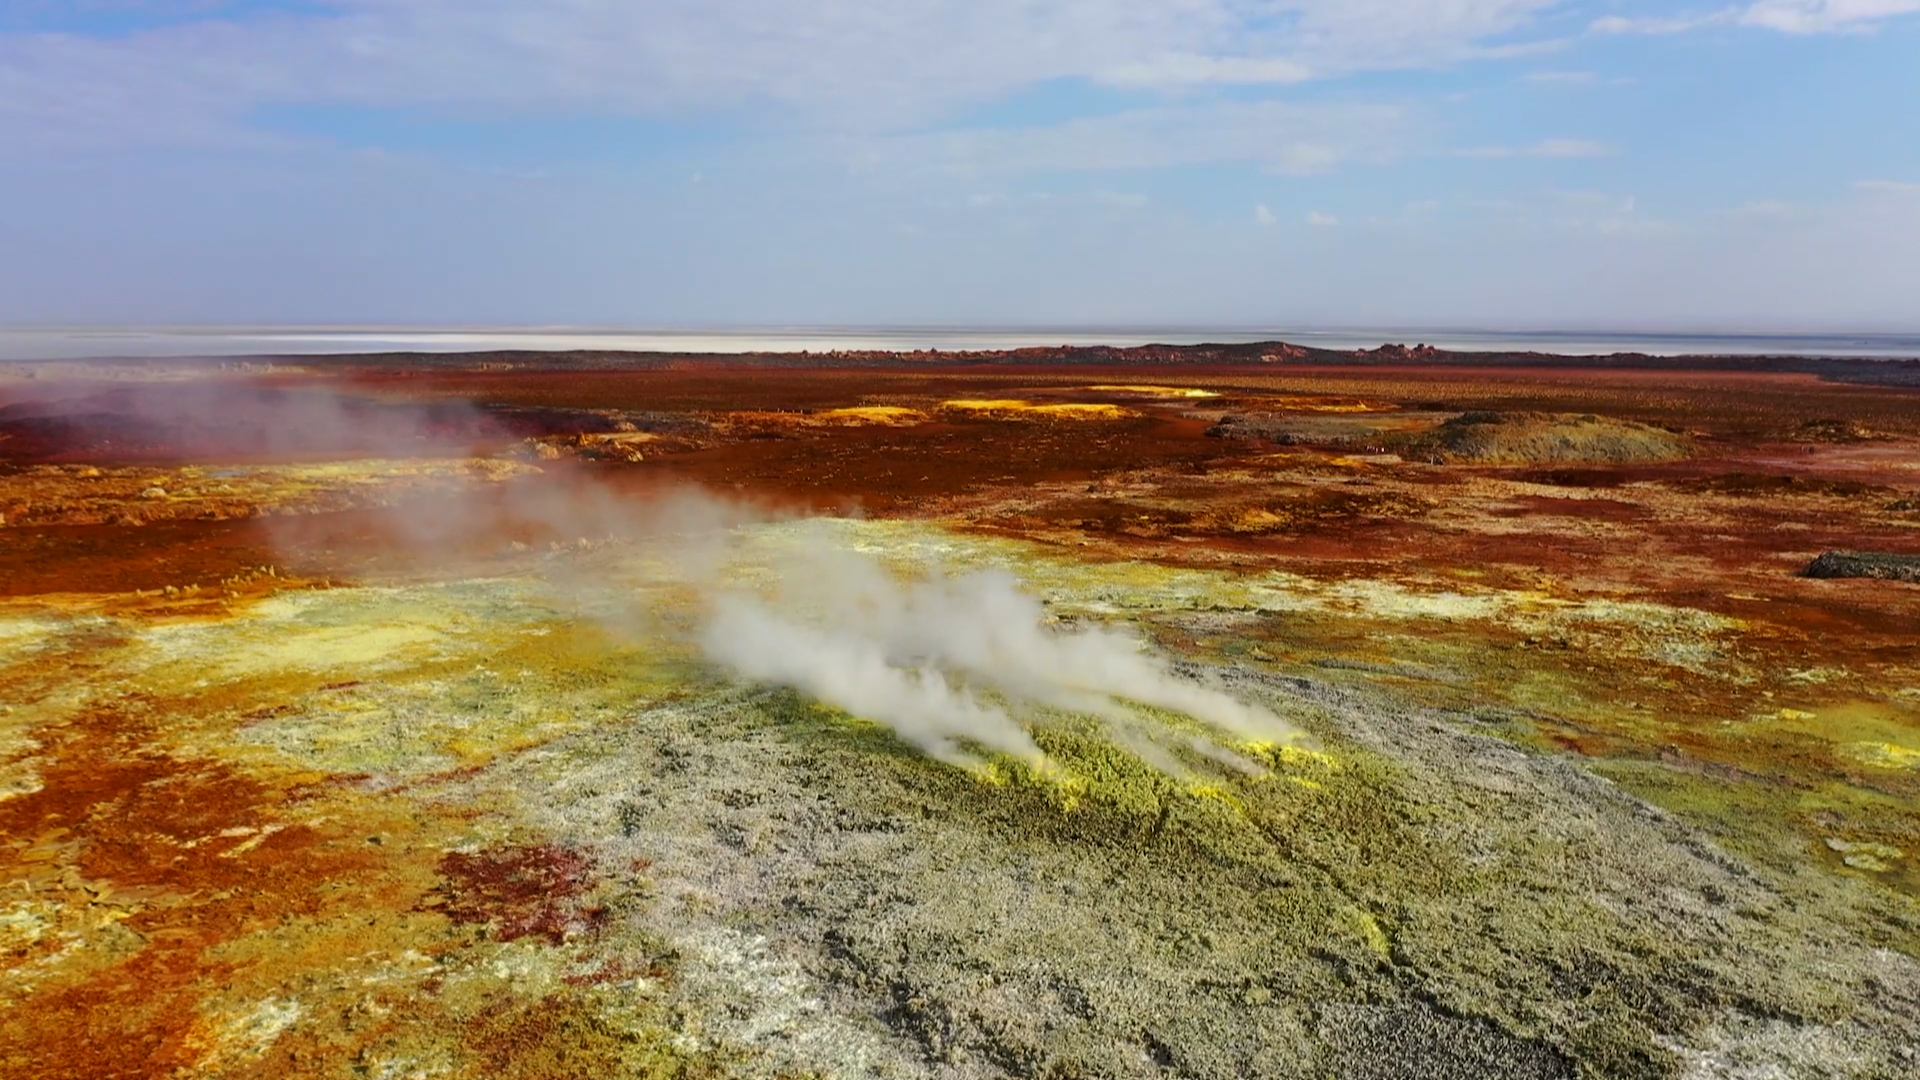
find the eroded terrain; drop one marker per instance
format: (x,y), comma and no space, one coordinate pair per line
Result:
(353,726)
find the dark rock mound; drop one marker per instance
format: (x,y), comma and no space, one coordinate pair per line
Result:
(1279,430)
(1865,564)
(1834,431)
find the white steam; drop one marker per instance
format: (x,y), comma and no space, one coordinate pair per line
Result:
(956,666)
(949,663)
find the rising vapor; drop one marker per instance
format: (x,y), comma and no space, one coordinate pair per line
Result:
(950,662)
(955,665)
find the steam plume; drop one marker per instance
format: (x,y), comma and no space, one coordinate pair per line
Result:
(954,665)
(920,656)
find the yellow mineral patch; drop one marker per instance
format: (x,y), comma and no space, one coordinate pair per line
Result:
(332,648)
(990,773)
(1324,405)
(1066,790)
(1018,409)
(1293,756)
(851,416)
(1216,793)
(1885,755)
(1877,732)
(1155,391)
(881,415)
(979,404)
(1373,935)
(626,446)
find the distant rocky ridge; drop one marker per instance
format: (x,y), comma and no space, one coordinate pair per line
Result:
(1891,371)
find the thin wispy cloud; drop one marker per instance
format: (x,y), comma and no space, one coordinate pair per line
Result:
(781,160)
(1824,16)
(1659,25)
(1279,137)
(834,62)
(1545,148)
(1188,69)
(1786,16)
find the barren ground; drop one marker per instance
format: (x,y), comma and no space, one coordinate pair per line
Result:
(1600,785)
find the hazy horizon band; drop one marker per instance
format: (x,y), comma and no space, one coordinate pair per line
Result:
(27,344)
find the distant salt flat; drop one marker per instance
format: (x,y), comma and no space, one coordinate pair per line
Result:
(71,343)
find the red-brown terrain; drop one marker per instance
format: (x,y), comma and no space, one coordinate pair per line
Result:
(1420,504)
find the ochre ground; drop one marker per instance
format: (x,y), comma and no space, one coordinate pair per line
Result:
(173,859)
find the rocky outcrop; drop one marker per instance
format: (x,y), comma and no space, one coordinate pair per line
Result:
(1882,565)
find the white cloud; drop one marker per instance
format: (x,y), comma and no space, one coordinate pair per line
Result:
(840,63)
(1263,215)
(1824,16)
(1545,148)
(1188,69)
(1322,221)
(1787,16)
(1887,187)
(1659,24)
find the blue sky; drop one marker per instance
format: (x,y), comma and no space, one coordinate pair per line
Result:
(1499,163)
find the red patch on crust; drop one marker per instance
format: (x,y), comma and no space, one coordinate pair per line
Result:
(519,892)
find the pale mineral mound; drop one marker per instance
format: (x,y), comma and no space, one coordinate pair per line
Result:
(1527,438)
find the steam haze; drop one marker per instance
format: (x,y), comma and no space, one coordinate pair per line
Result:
(950,661)
(956,666)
